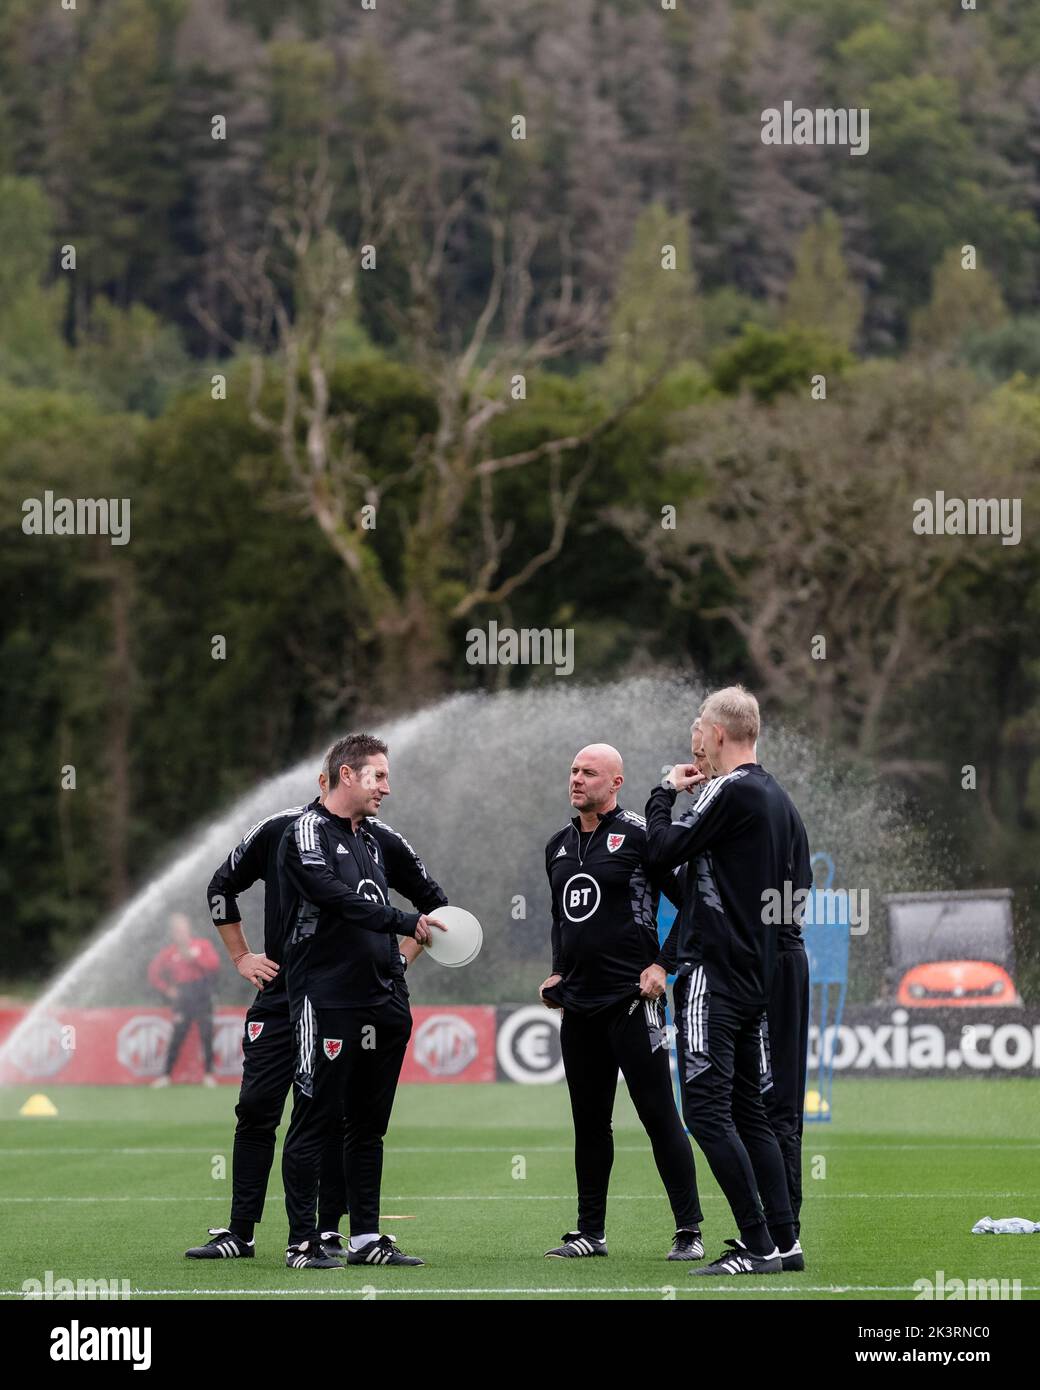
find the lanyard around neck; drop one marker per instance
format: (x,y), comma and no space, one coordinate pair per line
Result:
(592,835)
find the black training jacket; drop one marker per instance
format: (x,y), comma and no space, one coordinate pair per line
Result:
(255,857)
(604,910)
(340,927)
(749,856)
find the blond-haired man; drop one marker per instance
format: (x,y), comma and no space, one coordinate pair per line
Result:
(742,842)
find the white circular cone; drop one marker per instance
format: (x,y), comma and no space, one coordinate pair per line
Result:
(461,943)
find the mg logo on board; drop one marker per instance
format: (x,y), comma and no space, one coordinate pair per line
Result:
(42,1049)
(445,1044)
(142,1043)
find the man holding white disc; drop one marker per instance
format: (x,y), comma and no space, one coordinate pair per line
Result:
(604,941)
(268,1053)
(347,992)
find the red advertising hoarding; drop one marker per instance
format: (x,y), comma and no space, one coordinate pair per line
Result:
(113,1047)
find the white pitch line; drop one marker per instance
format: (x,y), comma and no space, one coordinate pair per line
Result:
(60,1151)
(838,1146)
(445,1149)
(968,1144)
(543,1197)
(707,1287)
(839,1149)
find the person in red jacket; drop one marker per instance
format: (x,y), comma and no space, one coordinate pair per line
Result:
(183,973)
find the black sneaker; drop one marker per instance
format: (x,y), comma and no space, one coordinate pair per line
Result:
(383,1251)
(333,1244)
(686,1245)
(223,1246)
(794,1259)
(309,1255)
(739,1260)
(575,1246)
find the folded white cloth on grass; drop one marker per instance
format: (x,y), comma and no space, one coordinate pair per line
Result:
(1006,1226)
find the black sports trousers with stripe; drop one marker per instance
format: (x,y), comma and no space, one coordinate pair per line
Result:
(788,1018)
(268,1053)
(268,1066)
(347,1071)
(722,1054)
(630,1035)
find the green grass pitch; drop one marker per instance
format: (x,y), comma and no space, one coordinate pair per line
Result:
(479,1180)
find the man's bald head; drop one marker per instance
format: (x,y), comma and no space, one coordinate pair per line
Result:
(597,774)
(604,755)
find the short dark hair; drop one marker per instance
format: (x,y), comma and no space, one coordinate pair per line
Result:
(353,751)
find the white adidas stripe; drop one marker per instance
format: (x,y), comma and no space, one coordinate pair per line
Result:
(712,789)
(307,833)
(383,826)
(694,1000)
(582,1245)
(289,811)
(306,1029)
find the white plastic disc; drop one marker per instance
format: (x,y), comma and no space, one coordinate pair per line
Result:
(461,943)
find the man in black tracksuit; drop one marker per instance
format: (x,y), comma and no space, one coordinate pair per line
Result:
(787,1031)
(604,937)
(267,1051)
(747,856)
(347,992)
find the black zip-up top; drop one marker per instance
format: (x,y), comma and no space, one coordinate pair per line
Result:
(256,857)
(341,929)
(604,909)
(749,857)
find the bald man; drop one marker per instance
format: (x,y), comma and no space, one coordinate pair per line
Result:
(604,941)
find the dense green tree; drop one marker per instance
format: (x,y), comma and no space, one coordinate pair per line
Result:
(397,387)
(654,319)
(925,184)
(847,611)
(1001,352)
(964,300)
(66,676)
(767,362)
(821,296)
